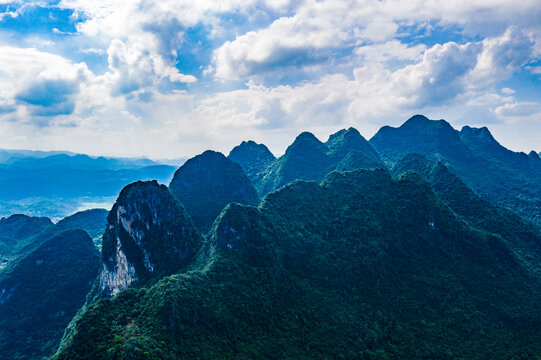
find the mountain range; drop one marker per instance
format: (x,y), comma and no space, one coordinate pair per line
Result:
(310,159)
(56,184)
(359,266)
(423,242)
(505,178)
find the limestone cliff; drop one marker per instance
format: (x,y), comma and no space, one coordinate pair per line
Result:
(148,235)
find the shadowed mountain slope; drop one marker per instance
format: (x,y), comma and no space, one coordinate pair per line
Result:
(520,235)
(41,291)
(15,229)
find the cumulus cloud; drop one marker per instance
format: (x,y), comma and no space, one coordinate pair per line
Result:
(135,69)
(38,84)
(49,97)
(518,109)
(440,76)
(289,41)
(390,50)
(142,38)
(315,27)
(503,55)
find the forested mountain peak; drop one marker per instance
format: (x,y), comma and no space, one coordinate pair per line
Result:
(252,157)
(206,183)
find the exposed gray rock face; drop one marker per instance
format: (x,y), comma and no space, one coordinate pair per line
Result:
(120,275)
(148,235)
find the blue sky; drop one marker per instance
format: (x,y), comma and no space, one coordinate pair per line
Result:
(172,78)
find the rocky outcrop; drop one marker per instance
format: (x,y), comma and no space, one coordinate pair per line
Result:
(148,235)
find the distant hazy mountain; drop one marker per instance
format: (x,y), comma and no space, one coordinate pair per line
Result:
(359,266)
(70,183)
(39,159)
(9,156)
(64,161)
(56,185)
(205,184)
(503,177)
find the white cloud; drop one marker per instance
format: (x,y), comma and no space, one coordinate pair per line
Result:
(318,26)
(134,69)
(518,109)
(390,50)
(35,83)
(281,5)
(142,37)
(502,56)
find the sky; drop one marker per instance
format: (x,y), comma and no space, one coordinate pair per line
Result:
(172,78)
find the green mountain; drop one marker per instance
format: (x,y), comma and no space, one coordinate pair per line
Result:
(521,236)
(16,229)
(148,235)
(20,234)
(92,221)
(39,294)
(505,178)
(350,141)
(359,266)
(205,184)
(41,291)
(433,138)
(310,159)
(253,158)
